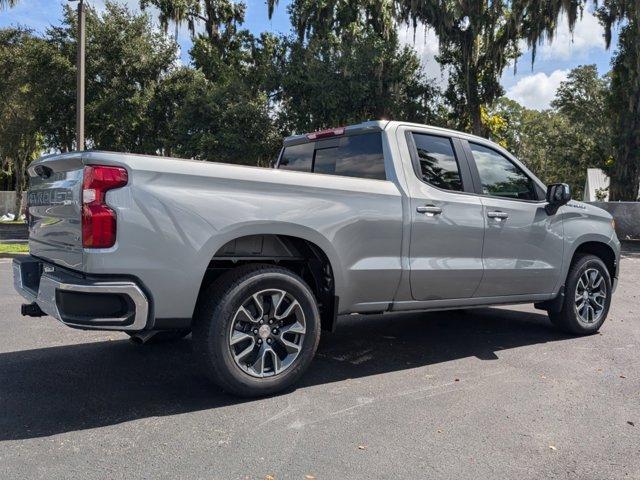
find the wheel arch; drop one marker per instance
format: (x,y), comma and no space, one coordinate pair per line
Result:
(594,245)
(600,249)
(303,251)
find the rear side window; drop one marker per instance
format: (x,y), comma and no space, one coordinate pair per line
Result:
(353,156)
(297,157)
(438,164)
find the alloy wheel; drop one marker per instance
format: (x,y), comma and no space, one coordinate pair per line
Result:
(267,333)
(590,296)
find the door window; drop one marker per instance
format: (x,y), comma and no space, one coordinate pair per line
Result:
(438,165)
(500,177)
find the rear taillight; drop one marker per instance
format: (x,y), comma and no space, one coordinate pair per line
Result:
(98,220)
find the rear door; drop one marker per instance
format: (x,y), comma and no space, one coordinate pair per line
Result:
(523,245)
(54,203)
(447,227)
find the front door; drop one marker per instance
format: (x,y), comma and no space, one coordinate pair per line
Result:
(447,224)
(523,245)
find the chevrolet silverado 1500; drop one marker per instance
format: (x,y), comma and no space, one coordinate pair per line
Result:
(376,217)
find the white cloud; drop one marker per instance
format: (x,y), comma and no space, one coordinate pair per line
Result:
(587,35)
(425,42)
(537,90)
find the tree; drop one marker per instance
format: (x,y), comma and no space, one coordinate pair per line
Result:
(8,3)
(624,100)
(330,83)
(582,99)
(20,139)
(126,61)
(226,113)
(560,143)
(479,39)
(219,17)
(335,29)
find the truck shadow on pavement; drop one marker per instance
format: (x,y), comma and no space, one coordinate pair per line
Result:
(54,390)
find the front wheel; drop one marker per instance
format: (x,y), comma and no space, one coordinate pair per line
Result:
(587,297)
(256,330)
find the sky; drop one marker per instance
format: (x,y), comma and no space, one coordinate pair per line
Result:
(532,87)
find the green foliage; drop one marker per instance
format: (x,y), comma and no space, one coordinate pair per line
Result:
(126,61)
(337,83)
(219,17)
(624,100)
(345,65)
(625,109)
(477,42)
(14,248)
(561,143)
(20,138)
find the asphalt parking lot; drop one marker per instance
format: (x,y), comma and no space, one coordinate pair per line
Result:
(488,393)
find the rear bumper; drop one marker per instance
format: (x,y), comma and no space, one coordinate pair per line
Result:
(79,301)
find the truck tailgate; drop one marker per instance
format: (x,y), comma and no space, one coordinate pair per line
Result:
(54,204)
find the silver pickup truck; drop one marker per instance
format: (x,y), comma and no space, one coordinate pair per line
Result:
(377,217)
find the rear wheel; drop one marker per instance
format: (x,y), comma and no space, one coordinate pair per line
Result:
(256,330)
(587,297)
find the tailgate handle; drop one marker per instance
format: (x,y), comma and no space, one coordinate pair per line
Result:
(43,171)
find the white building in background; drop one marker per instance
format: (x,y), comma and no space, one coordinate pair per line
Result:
(596,181)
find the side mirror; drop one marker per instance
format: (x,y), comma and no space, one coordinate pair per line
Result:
(558,194)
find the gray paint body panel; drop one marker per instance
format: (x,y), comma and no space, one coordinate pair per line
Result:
(174,215)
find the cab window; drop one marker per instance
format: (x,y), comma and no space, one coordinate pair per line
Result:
(500,177)
(350,156)
(437,162)
(297,157)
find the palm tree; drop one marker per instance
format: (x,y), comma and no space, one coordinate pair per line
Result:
(7,3)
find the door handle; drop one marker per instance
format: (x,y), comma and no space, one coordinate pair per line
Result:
(430,210)
(497,214)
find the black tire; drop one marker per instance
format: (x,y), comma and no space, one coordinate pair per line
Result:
(214,319)
(568,318)
(164,336)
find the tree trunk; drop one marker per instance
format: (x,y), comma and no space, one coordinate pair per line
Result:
(477,127)
(472,91)
(19,171)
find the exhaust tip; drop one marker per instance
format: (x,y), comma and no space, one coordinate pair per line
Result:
(140,338)
(31,310)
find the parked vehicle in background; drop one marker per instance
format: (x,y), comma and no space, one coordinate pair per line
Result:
(376,217)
